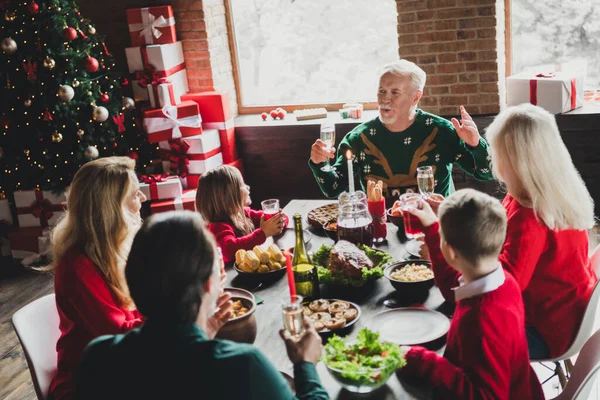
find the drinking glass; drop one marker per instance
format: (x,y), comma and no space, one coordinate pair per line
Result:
(293,316)
(412,224)
(328,136)
(270,208)
(426,181)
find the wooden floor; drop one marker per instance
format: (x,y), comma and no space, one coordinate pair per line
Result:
(19,287)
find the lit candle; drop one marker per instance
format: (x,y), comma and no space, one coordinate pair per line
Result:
(350,172)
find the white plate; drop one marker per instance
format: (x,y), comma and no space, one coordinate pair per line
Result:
(411,325)
(412,247)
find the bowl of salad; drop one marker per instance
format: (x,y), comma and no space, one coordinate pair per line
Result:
(364,365)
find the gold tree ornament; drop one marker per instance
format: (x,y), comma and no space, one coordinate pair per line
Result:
(100,114)
(26,151)
(80,132)
(75,83)
(66,92)
(10,16)
(49,63)
(57,137)
(9,46)
(27,103)
(91,30)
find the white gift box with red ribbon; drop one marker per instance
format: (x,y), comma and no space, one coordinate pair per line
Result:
(39,208)
(151,63)
(161,94)
(172,122)
(160,186)
(192,155)
(557,92)
(187,201)
(5,214)
(151,25)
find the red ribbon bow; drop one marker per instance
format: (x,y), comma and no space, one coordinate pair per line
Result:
(158,80)
(30,68)
(153,178)
(546,75)
(179,158)
(147,76)
(42,209)
(119,120)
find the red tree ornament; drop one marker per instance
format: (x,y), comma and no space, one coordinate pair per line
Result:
(69,33)
(90,64)
(125,82)
(133,155)
(33,8)
(104,97)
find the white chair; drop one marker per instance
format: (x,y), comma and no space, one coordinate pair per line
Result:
(36,325)
(584,372)
(585,329)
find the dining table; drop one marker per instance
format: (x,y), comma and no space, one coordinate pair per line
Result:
(371,302)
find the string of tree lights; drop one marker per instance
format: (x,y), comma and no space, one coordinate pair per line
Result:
(61,102)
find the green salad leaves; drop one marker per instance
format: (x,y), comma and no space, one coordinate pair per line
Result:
(380,260)
(368,361)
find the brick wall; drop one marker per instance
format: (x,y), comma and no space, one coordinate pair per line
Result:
(201,27)
(457,43)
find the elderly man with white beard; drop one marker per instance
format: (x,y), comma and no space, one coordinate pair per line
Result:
(402,138)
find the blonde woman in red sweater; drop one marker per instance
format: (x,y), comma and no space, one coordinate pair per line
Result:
(549,211)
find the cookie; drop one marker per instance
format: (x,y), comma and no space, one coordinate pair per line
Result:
(347,315)
(334,323)
(338,306)
(307,311)
(319,326)
(320,316)
(319,305)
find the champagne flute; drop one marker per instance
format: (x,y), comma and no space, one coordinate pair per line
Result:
(293,315)
(328,136)
(426,181)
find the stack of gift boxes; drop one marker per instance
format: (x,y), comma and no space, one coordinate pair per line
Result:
(194,131)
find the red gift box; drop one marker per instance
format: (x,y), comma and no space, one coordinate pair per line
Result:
(172,122)
(187,201)
(228,147)
(190,181)
(24,241)
(151,25)
(215,109)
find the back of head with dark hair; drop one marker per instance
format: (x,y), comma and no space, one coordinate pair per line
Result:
(171,258)
(474,224)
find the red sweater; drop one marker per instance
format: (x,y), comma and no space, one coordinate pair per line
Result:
(228,240)
(87,309)
(553,271)
(486,353)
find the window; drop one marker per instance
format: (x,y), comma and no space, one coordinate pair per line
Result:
(311,52)
(546,33)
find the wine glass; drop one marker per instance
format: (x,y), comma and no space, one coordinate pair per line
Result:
(328,136)
(426,181)
(270,208)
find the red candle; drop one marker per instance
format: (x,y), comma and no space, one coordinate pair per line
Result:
(290,273)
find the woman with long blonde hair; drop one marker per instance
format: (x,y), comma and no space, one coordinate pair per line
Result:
(549,210)
(91,245)
(223,199)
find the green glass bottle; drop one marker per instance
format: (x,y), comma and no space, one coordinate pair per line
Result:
(305,273)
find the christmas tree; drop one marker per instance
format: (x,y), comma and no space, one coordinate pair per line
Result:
(61,101)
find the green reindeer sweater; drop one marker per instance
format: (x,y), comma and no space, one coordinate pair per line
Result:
(393,157)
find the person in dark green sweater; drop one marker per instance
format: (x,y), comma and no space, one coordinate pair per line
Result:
(391,146)
(173,276)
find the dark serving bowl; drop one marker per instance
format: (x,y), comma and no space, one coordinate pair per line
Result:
(331,233)
(409,288)
(260,277)
(397,220)
(241,329)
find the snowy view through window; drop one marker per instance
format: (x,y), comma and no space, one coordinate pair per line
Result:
(312,51)
(557,31)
